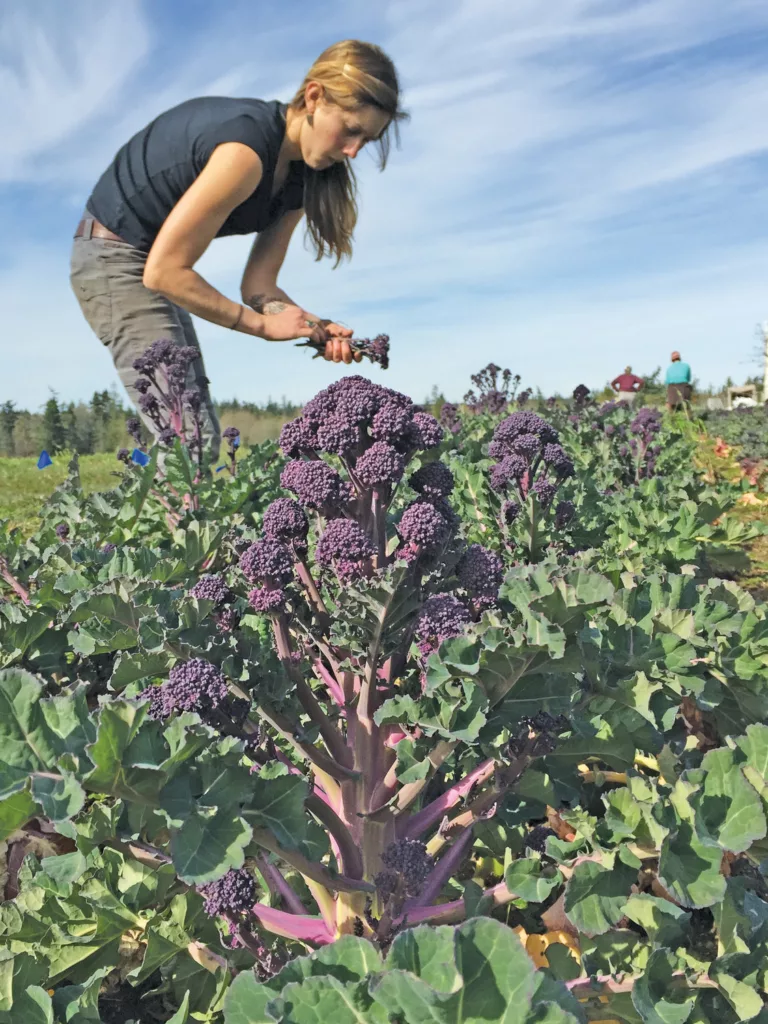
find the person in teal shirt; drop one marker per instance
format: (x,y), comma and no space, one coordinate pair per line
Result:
(678,381)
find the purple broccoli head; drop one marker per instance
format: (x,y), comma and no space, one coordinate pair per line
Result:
(544,491)
(432,480)
(556,457)
(267,599)
(337,436)
(380,466)
(212,587)
(511,468)
(286,520)
(194,685)
(391,421)
(344,547)
(443,616)
(315,484)
(425,432)
(423,524)
(480,572)
(267,561)
(564,513)
(232,894)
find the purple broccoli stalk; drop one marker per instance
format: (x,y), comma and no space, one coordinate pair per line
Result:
(433,480)
(194,685)
(442,617)
(212,587)
(285,520)
(267,561)
(345,548)
(234,894)
(480,573)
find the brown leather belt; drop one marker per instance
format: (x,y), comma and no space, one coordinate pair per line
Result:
(89,227)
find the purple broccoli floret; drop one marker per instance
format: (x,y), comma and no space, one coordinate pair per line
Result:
(212,587)
(442,617)
(62,531)
(337,436)
(564,512)
(109,548)
(391,421)
(511,467)
(232,894)
(510,510)
(227,619)
(358,399)
(345,547)
(267,599)
(556,457)
(527,445)
(315,484)
(124,455)
(297,436)
(433,480)
(133,426)
(267,561)
(519,423)
(167,436)
(380,466)
(480,572)
(423,524)
(194,685)
(286,520)
(545,492)
(407,866)
(449,417)
(425,432)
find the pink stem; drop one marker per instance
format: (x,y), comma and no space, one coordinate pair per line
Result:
(293,926)
(17,587)
(434,812)
(278,885)
(333,687)
(442,871)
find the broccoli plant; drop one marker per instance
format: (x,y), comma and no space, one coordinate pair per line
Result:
(375,349)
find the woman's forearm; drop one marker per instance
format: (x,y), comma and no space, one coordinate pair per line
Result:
(192,292)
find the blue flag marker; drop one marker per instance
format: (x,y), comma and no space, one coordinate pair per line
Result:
(219,468)
(139,457)
(45,460)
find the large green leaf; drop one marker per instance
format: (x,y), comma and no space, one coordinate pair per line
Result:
(728,810)
(595,895)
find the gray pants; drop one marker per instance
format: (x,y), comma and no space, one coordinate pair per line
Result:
(127,317)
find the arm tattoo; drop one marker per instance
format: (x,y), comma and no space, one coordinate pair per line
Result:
(264,303)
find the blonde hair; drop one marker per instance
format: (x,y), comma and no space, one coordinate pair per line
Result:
(352,74)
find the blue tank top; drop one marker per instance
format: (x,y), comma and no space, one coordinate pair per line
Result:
(151,172)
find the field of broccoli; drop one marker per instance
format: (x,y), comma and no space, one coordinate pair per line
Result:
(395,719)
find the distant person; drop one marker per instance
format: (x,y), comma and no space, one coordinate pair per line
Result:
(215,166)
(627,386)
(678,381)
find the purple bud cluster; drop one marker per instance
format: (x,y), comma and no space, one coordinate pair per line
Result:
(212,587)
(580,396)
(317,485)
(267,600)
(232,894)
(345,548)
(62,531)
(165,397)
(194,685)
(529,461)
(442,617)
(432,480)
(480,573)
(496,389)
(407,866)
(643,431)
(449,417)
(285,520)
(380,466)
(267,561)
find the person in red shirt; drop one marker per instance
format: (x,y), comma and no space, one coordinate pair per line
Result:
(627,385)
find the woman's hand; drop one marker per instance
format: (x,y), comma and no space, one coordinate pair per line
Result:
(336,338)
(292,322)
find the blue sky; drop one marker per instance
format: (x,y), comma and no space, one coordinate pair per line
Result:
(582,184)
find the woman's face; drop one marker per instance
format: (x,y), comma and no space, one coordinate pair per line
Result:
(337,133)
